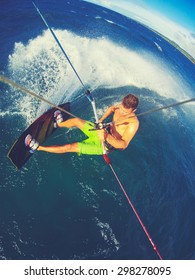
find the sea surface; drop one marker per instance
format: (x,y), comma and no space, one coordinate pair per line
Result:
(69,206)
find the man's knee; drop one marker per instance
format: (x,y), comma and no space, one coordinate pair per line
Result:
(70,148)
(74,122)
(79,122)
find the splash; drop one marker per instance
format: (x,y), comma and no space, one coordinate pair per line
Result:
(41,67)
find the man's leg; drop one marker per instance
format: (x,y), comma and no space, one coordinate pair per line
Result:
(74,122)
(67,148)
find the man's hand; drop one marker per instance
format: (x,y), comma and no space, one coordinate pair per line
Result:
(99,125)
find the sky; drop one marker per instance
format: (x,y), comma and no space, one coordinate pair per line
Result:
(181,11)
(175,19)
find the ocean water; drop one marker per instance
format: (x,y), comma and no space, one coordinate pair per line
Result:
(69,206)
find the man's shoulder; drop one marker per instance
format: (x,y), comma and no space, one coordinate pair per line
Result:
(115,107)
(133,123)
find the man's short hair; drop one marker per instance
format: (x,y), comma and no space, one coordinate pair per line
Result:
(130,101)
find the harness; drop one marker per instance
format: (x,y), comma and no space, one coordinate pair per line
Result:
(108,146)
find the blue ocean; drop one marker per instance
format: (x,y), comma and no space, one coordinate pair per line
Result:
(71,207)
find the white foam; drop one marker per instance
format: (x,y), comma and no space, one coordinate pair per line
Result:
(107,234)
(158,47)
(7,113)
(89,195)
(41,67)
(109,21)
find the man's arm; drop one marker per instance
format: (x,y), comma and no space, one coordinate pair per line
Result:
(127,137)
(108,112)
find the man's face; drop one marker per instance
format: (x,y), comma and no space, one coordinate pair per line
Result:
(124,111)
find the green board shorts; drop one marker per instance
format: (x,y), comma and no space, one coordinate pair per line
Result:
(92,145)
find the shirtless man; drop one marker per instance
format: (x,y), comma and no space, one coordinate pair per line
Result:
(125,125)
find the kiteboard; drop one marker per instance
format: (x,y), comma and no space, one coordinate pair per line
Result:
(40,130)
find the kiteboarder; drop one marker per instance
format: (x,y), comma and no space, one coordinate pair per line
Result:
(118,136)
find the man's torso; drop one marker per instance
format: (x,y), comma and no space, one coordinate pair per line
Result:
(121,123)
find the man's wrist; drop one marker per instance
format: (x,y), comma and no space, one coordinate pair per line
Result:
(105,134)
